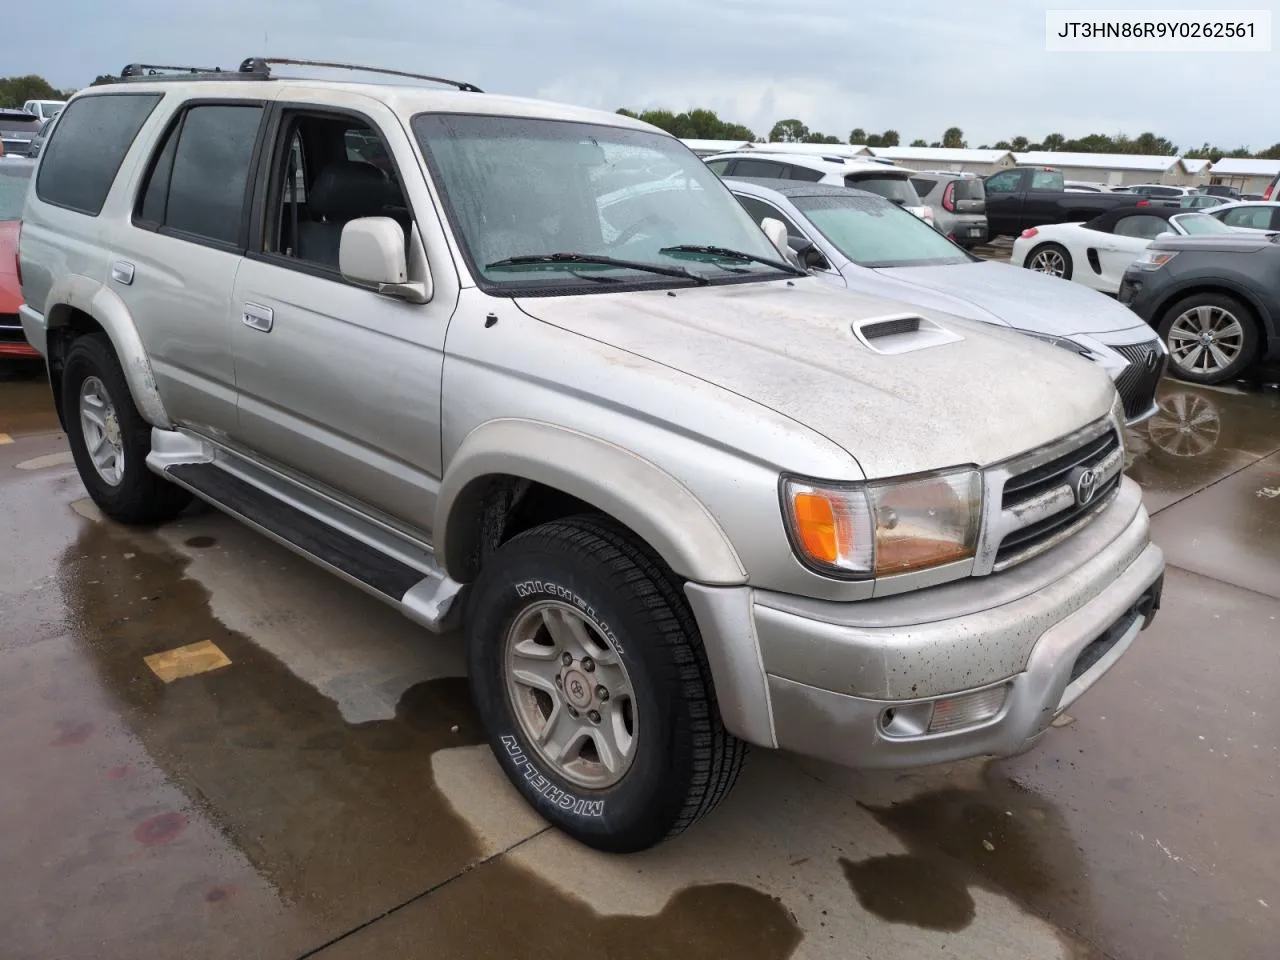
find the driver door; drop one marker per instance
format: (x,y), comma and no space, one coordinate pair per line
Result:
(339,386)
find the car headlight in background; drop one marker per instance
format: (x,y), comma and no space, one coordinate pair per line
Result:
(1066,344)
(885,527)
(1154,259)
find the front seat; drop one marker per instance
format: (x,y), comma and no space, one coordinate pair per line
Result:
(345,190)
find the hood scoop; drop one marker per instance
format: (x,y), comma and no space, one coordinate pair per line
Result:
(901,333)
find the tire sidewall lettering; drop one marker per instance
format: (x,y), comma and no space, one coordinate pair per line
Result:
(556,591)
(542,785)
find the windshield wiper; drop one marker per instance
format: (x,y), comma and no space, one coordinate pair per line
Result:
(732,255)
(532,258)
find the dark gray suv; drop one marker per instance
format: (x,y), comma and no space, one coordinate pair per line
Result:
(1215,300)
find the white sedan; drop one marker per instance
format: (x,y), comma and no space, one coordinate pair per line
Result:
(1097,253)
(1249,214)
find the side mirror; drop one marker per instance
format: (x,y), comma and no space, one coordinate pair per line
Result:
(809,255)
(776,231)
(372,253)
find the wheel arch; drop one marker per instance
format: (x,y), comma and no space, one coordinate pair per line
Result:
(79,305)
(500,463)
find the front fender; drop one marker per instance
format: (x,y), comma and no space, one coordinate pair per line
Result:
(74,292)
(633,490)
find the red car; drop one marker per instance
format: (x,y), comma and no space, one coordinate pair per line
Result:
(15,175)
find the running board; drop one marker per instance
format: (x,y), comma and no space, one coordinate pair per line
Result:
(380,563)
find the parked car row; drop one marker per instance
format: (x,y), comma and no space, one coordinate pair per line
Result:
(1217,310)
(548,380)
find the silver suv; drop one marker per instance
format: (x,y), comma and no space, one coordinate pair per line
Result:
(531,369)
(959,204)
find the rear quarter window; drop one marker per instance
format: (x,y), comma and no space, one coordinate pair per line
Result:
(87,146)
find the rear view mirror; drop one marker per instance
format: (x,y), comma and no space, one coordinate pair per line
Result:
(372,253)
(776,231)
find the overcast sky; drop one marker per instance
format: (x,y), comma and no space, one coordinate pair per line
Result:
(917,66)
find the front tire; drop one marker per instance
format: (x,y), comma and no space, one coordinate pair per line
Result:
(110,440)
(1212,338)
(1051,259)
(593,686)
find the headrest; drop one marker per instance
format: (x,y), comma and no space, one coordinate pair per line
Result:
(347,189)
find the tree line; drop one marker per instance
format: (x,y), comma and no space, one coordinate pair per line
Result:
(703,124)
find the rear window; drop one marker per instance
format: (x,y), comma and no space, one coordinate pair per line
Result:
(970,189)
(1047,180)
(84,152)
(897,189)
(16,121)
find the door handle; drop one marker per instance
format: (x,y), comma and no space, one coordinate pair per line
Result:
(122,272)
(257,317)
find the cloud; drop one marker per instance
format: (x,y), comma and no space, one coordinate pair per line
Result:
(918,66)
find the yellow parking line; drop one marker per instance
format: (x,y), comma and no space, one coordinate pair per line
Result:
(187,661)
(5,438)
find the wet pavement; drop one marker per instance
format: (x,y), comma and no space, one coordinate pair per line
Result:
(214,749)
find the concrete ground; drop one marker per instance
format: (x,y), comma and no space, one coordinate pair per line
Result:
(213,749)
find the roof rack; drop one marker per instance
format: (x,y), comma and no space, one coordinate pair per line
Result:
(259,68)
(264,62)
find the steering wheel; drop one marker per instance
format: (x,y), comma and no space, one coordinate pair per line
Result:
(652,218)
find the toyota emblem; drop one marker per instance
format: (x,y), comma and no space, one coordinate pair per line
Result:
(1084,483)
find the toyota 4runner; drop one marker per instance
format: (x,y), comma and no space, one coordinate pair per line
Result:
(531,370)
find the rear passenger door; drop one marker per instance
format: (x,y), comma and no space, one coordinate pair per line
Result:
(339,386)
(176,268)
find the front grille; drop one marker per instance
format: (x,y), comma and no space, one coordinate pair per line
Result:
(11,329)
(1043,505)
(1136,384)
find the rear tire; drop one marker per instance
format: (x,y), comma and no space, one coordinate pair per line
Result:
(546,607)
(1051,259)
(1216,338)
(110,440)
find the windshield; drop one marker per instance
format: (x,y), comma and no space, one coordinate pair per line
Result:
(1200,223)
(14,176)
(873,233)
(897,189)
(529,187)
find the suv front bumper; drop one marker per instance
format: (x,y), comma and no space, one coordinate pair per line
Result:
(975,668)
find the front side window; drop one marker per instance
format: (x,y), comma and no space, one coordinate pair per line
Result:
(760,210)
(524,187)
(874,233)
(79,164)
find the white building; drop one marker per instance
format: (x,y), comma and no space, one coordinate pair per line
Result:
(1245,174)
(1112,169)
(1196,171)
(982,162)
(705,148)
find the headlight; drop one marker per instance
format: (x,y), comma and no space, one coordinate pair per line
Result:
(859,531)
(1063,342)
(1154,259)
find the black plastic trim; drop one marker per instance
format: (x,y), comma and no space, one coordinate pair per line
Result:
(356,559)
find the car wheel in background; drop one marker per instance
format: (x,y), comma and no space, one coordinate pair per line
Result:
(1211,337)
(589,675)
(109,439)
(1052,259)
